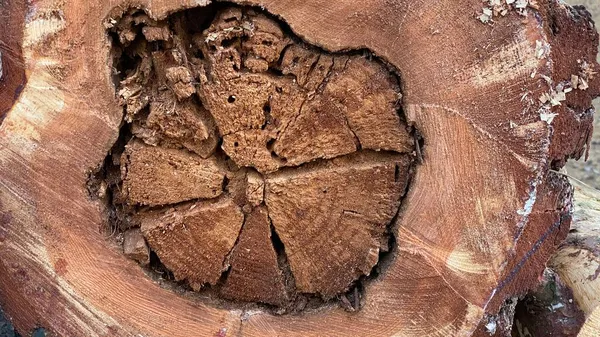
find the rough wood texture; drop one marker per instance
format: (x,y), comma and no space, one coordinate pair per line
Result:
(255,275)
(239,67)
(577,262)
(565,301)
(154,176)
(332,217)
(468,87)
(194,241)
(332,106)
(175,124)
(12,66)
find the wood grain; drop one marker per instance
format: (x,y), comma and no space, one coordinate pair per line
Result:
(463,85)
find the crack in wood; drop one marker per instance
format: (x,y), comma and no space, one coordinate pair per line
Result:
(262,100)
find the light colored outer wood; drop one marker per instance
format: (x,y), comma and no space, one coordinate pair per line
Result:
(577,262)
(591,328)
(463,83)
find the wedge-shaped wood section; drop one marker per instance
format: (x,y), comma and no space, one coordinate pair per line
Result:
(193,241)
(159,176)
(332,217)
(319,131)
(368,96)
(255,275)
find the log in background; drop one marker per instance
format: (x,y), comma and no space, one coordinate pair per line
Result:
(588,172)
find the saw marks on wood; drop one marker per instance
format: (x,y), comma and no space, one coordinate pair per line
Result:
(251,165)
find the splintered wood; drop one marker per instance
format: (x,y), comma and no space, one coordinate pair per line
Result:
(253,163)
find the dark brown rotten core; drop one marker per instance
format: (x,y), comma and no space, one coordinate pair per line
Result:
(254,165)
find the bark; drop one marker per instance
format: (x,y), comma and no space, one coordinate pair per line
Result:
(374,169)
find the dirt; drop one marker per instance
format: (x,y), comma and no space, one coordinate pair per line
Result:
(589,171)
(257,168)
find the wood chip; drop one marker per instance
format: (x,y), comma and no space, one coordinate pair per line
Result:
(135,247)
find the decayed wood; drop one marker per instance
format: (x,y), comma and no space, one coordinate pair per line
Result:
(255,275)
(155,176)
(332,217)
(467,88)
(194,241)
(174,124)
(343,105)
(332,106)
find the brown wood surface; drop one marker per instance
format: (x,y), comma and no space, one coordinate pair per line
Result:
(577,262)
(468,87)
(566,302)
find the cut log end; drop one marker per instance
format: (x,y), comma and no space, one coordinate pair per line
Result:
(263,168)
(315,157)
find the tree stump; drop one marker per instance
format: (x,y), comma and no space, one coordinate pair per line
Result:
(284,167)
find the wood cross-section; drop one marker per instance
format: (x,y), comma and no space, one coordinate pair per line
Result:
(332,217)
(255,275)
(241,122)
(193,241)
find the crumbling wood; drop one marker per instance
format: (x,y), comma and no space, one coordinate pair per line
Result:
(154,176)
(327,220)
(194,240)
(255,275)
